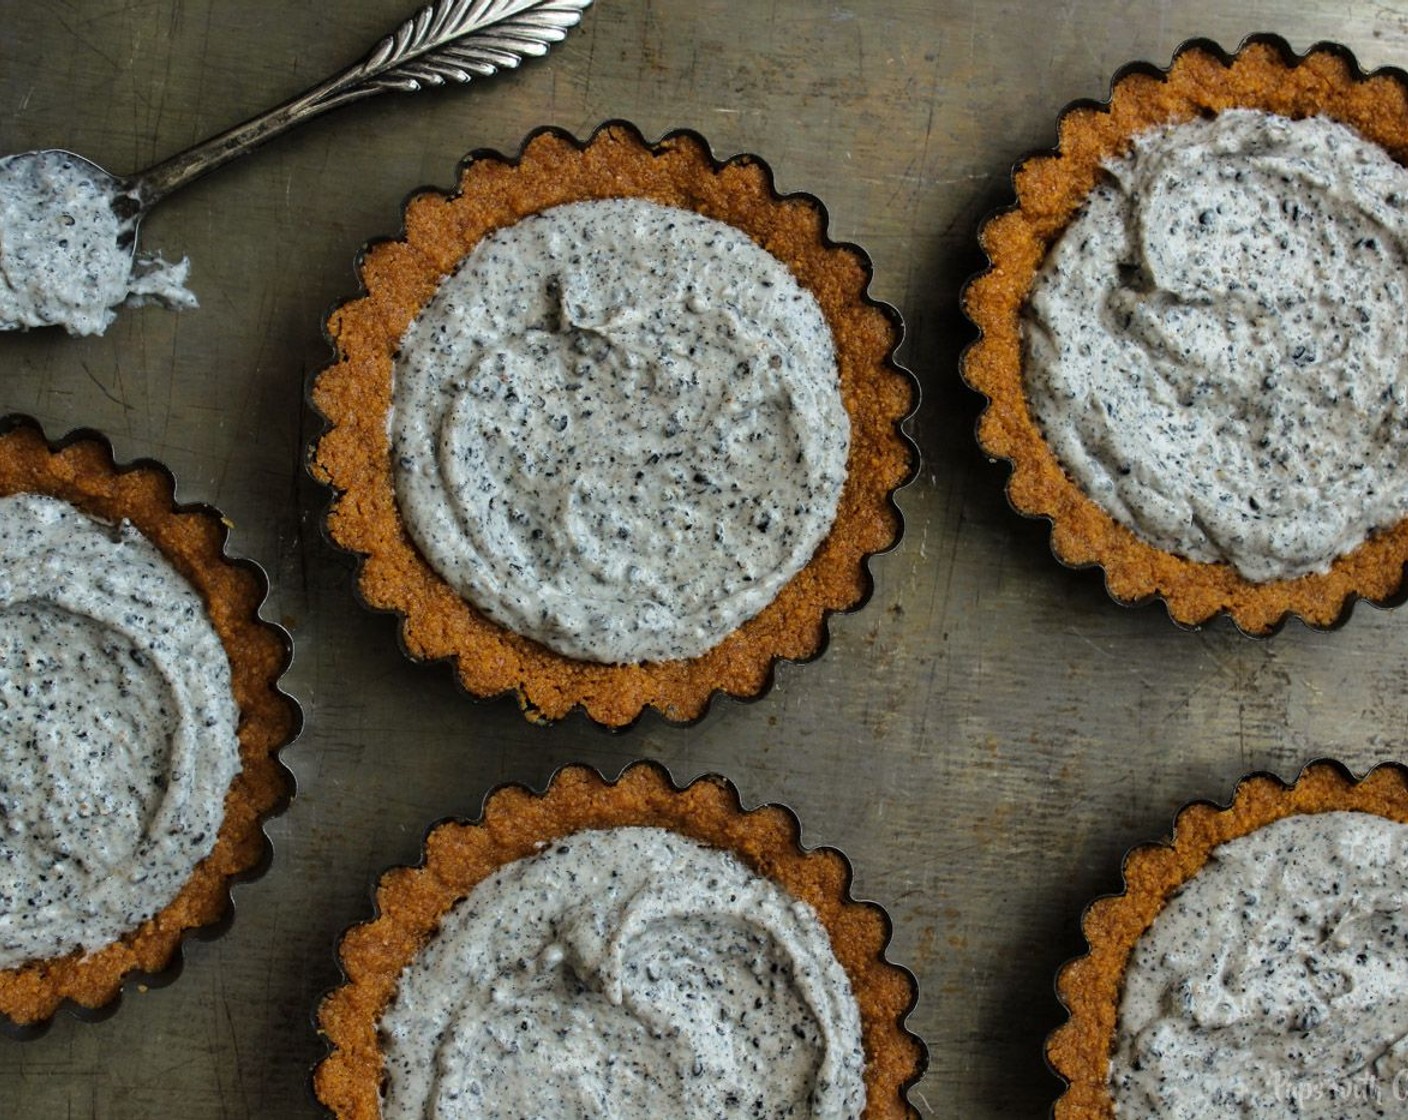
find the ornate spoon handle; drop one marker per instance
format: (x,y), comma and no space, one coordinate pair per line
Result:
(447,41)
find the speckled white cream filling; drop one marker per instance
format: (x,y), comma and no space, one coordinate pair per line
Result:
(117,730)
(617,429)
(1215,348)
(1275,983)
(61,259)
(630,973)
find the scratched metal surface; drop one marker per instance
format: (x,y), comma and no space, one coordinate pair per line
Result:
(985,739)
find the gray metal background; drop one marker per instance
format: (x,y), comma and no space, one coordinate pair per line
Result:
(985,739)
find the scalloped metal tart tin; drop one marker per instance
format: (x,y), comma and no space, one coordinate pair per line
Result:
(80,469)
(1051,187)
(517,822)
(1090,987)
(353,394)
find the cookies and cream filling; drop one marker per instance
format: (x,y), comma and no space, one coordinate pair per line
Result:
(1216,348)
(1275,982)
(66,257)
(617,429)
(631,973)
(117,730)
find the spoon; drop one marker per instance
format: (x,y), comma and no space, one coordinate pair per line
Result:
(61,193)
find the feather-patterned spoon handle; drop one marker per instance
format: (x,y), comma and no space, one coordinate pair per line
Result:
(447,41)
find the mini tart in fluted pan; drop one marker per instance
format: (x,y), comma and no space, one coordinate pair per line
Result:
(1244,957)
(596,997)
(1118,513)
(716,251)
(91,851)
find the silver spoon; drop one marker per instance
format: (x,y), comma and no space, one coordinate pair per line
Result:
(447,41)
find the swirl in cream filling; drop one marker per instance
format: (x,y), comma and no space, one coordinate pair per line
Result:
(117,730)
(617,429)
(630,973)
(1217,346)
(1275,983)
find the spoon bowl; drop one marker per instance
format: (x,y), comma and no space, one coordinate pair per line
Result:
(68,235)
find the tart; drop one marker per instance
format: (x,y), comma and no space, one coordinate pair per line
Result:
(159,591)
(669,201)
(1174,1002)
(1102,151)
(518,828)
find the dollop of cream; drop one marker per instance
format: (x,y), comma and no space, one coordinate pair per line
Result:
(630,973)
(1275,983)
(66,257)
(1215,348)
(617,429)
(117,730)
